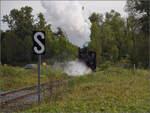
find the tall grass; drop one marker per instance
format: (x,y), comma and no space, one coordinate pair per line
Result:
(17,77)
(111,90)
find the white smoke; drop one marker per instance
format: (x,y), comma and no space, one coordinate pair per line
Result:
(71,18)
(74,68)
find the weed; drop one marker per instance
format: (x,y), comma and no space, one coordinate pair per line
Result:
(111,90)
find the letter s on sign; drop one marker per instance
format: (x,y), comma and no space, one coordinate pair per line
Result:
(39,43)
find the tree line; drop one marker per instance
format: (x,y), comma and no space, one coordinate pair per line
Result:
(17,41)
(119,39)
(113,38)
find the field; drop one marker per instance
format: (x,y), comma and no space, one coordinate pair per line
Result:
(108,90)
(111,90)
(17,77)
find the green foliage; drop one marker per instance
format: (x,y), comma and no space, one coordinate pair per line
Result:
(41,22)
(21,21)
(138,11)
(104,66)
(114,37)
(18,77)
(112,90)
(139,7)
(95,44)
(6,71)
(17,42)
(96,18)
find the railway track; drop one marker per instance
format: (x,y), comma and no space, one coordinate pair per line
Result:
(27,94)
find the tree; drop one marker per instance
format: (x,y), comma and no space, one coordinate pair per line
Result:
(17,42)
(21,21)
(140,10)
(117,24)
(96,39)
(41,24)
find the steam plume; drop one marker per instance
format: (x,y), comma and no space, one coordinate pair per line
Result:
(74,68)
(71,18)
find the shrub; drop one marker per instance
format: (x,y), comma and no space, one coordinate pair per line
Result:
(106,65)
(7,70)
(126,62)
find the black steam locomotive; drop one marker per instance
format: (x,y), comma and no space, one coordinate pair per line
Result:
(88,57)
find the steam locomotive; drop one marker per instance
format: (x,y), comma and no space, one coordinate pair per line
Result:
(88,57)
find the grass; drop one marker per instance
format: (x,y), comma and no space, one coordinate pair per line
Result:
(18,77)
(112,90)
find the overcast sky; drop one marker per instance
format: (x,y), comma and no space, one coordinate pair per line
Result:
(90,6)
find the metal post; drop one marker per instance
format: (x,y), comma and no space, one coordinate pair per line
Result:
(0,41)
(39,62)
(149,39)
(0,50)
(134,68)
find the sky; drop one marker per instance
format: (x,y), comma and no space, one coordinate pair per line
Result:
(89,6)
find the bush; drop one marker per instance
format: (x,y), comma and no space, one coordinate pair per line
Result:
(125,63)
(106,65)
(7,70)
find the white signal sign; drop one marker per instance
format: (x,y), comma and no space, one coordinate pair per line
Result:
(39,42)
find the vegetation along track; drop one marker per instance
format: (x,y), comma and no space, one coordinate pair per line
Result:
(27,92)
